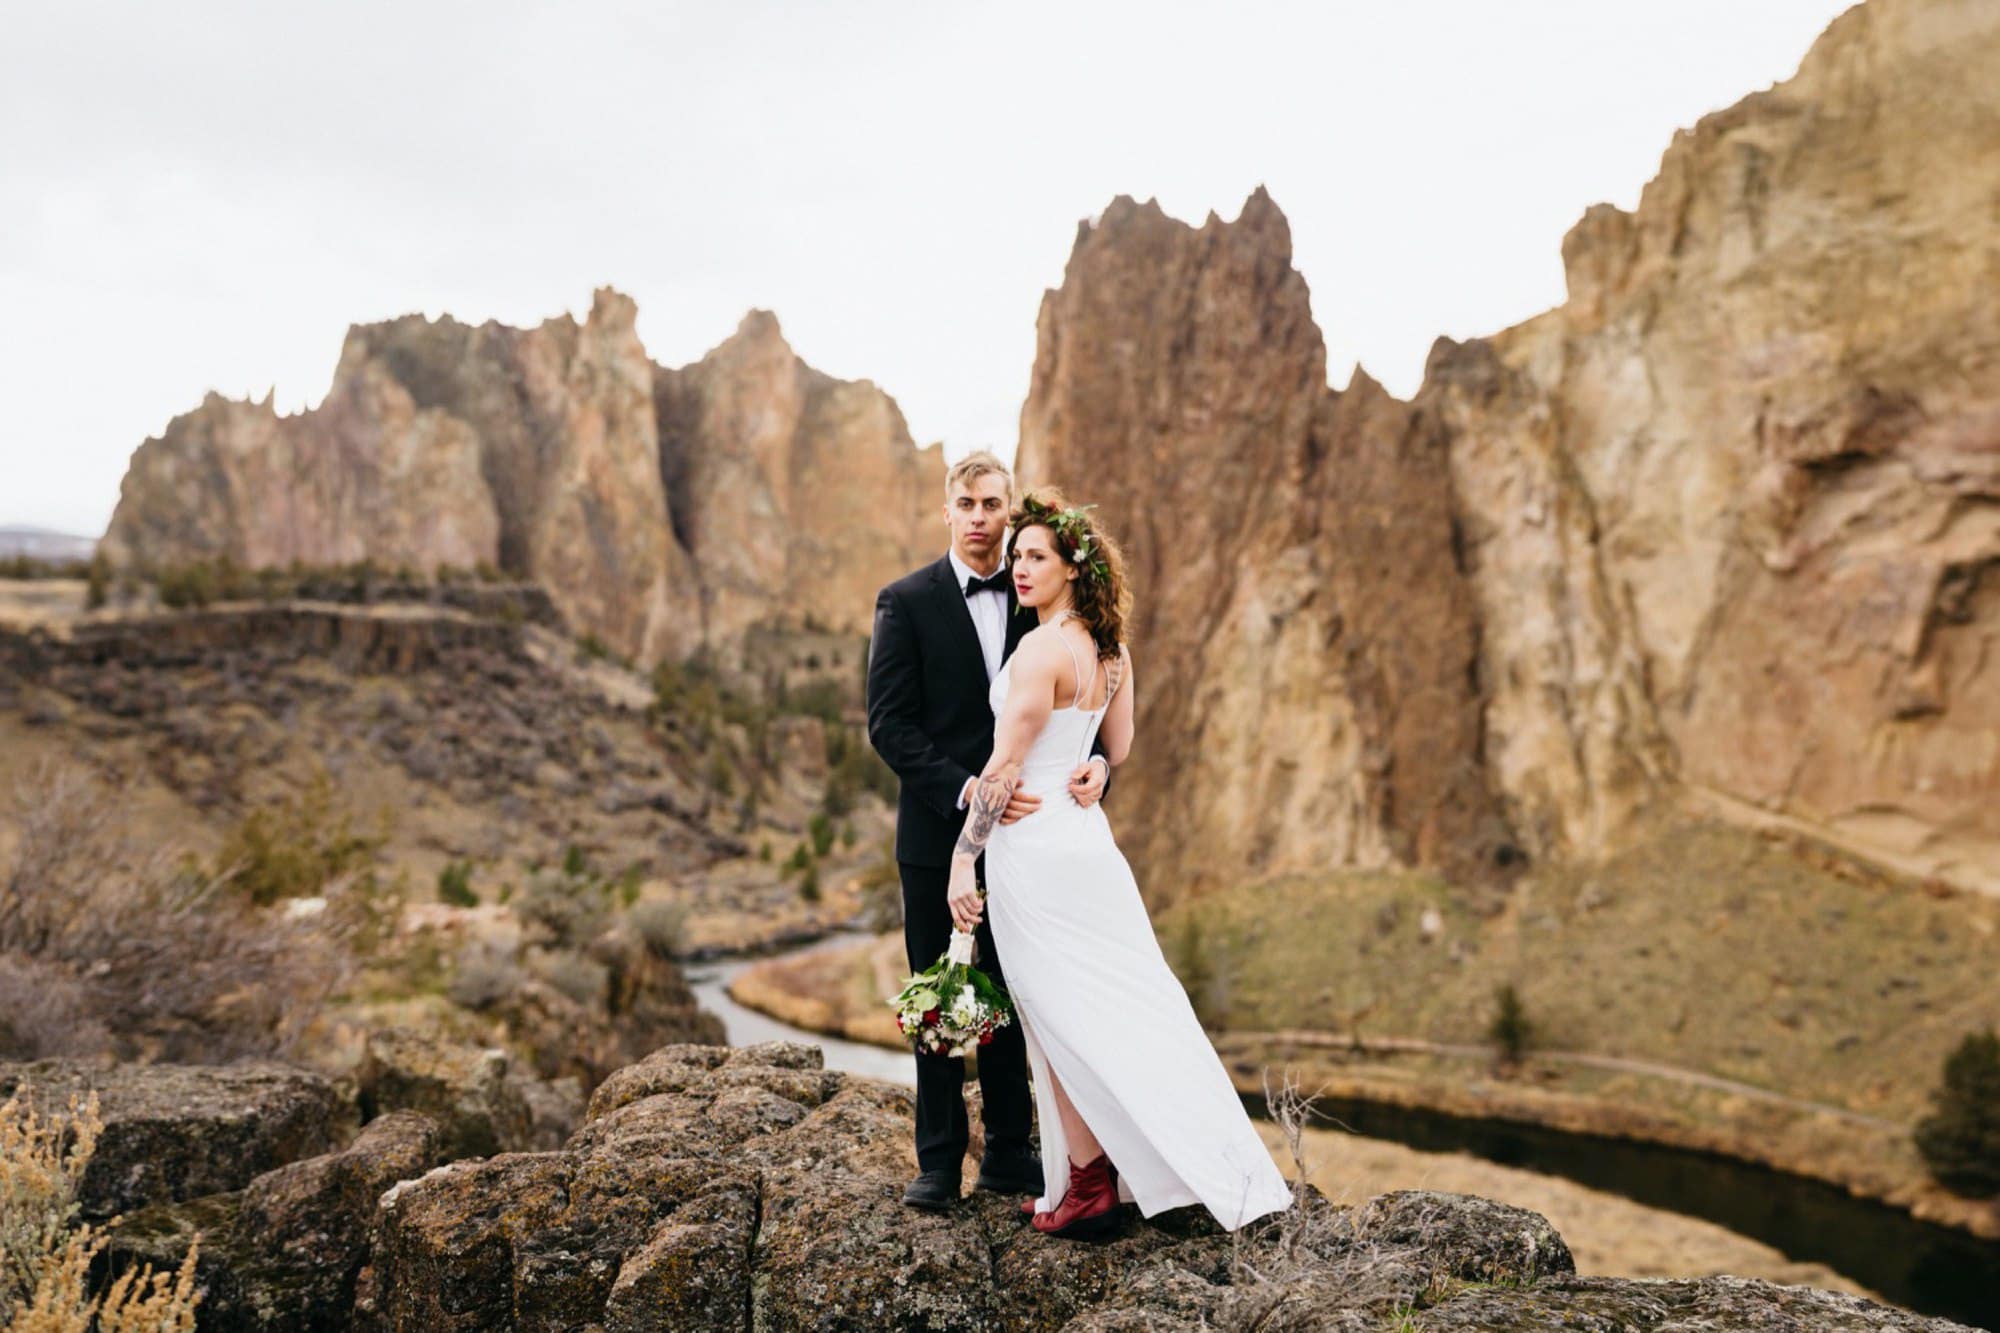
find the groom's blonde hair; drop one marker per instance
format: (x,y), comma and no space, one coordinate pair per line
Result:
(973,466)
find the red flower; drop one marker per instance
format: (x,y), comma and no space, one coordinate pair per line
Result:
(985,1037)
(930,1018)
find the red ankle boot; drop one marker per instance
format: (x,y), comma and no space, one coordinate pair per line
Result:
(1089,1210)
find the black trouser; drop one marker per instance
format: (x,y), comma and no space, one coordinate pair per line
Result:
(942,1129)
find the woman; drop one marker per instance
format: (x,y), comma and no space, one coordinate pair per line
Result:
(1132,1101)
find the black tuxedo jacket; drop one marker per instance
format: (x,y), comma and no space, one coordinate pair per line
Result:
(927,711)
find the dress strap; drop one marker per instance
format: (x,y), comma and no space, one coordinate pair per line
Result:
(1076,663)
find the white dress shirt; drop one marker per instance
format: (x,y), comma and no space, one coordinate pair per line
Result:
(989,618)
(989,615)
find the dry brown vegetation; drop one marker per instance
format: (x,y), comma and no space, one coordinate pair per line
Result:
(1312,1244)
(1705,947)
(45,1264)
(107,947)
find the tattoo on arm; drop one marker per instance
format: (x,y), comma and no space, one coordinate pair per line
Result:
(989,802)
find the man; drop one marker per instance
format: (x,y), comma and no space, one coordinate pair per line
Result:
(940,636)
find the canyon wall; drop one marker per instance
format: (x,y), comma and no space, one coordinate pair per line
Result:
(1303,641)
(664,510)
(1722,530)
(795,493)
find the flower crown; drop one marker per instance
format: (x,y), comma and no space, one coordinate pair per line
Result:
(1071,525)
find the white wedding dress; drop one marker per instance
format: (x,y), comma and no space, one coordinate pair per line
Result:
(1099,1007)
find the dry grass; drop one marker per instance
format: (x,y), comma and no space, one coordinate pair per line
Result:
(107,947)
(1284,1268)
(44,1265)
(1704,946)
(838,990)
(41,1163)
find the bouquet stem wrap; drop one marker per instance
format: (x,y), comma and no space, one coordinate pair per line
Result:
(951,1006)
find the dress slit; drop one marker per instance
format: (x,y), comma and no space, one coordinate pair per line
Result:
(1100,1009)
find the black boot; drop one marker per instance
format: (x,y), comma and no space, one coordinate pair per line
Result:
(933,1190)
(1016,1172)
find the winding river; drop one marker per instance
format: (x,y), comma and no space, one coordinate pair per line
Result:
(1931,1269)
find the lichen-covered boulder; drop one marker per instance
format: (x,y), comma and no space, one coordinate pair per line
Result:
(1632,1305)
(283,1252)
(1465,1238)
(1043,1284)
(309,1221)
(839,1250)
(176,1132)
(753,1189)
(469,1091)
(694,1269)
(669,1069)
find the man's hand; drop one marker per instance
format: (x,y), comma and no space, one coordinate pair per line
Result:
(963,897)
(1019,804)
(1086,784)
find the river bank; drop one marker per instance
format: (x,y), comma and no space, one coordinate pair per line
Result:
(836,988)
(832,989)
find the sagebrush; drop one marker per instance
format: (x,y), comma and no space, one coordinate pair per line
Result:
(45,1262)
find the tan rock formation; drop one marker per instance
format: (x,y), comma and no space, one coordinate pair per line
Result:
(1303,641)
(564,418)
(797,494)
(1734,508)
(539,450)
(366,472)
(1723,527)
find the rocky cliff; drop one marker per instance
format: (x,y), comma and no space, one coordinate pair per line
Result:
(1304,641)
(708,1189)
(793,491)
(1722,529)
(664,510)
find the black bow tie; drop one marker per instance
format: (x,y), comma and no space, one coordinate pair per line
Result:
(995,582)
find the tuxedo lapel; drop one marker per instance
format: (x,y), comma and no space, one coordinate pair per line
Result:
(950,598)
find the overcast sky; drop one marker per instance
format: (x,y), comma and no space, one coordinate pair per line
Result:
(205,195)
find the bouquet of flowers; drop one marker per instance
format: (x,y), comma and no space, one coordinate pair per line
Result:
(951,1006)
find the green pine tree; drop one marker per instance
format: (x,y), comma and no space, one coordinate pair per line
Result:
(1960,1139)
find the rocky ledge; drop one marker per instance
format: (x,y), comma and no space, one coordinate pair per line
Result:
(709,1188)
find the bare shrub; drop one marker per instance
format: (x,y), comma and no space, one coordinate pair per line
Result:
(568,906)
(1307,1266)
(582,979)
(39,1175)
(660,924)
(45,1012)
(44,1266)
(483,974)
(148,948)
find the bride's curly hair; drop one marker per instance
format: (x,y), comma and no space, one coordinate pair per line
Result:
(1100,596)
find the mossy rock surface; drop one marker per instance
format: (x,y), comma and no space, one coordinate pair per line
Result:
(712,1188)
